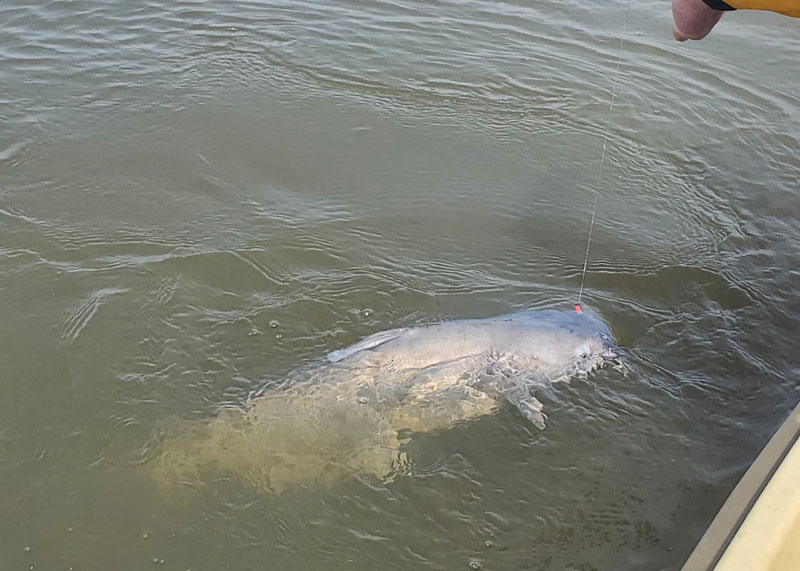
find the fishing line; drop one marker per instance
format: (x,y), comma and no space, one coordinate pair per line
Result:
(603,154)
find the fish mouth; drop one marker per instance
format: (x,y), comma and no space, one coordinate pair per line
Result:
(613,357)
(611,353)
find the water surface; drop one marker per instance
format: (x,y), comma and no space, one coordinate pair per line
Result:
(196,199)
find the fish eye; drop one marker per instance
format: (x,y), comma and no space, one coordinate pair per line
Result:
(582,351)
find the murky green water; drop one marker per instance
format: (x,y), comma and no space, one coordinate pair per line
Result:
(197,198)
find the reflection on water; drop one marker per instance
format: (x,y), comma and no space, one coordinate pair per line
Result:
(175,177)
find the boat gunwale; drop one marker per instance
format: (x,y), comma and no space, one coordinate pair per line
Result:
(745,495)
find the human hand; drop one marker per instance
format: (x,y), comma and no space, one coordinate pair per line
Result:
(693,19)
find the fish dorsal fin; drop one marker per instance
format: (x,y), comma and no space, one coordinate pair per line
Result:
(370,342)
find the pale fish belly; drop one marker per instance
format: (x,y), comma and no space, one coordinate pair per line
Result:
(320,435)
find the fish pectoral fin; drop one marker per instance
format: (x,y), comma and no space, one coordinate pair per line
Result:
(515,388)
(368,343)
(519,395)
(531,408)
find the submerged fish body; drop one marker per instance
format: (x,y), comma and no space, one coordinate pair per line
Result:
(352,413)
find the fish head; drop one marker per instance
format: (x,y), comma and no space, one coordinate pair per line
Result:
(591,343)
(593,338)
(568,344)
